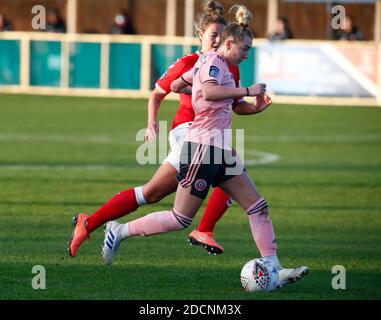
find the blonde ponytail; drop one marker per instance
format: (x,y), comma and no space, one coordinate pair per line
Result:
(239,29)
(242,15)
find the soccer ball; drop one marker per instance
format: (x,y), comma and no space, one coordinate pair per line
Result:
(259,275)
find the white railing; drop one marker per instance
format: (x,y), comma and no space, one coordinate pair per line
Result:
(105,40)
(146,42)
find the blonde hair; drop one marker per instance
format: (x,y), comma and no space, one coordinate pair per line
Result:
(239,29)
(212,12)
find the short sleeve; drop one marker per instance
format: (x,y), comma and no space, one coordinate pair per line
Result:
(213,70)
(188,77)
(174,72)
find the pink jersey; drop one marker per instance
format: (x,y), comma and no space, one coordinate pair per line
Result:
(212,122)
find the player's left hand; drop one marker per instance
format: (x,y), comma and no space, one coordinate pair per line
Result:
(263,102)
(151,132)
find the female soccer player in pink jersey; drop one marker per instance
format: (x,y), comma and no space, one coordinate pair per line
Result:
(207,158)
(209,27)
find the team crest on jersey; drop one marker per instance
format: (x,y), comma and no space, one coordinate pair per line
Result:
(214,71)
(200,185)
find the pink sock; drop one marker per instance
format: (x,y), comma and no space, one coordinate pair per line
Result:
(262,228)
(158,222)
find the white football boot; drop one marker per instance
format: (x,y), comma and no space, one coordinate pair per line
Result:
(287,276)
(112,241)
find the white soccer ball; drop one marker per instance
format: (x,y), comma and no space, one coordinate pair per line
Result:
(259,275)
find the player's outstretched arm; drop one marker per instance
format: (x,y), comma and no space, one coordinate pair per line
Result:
(154,103)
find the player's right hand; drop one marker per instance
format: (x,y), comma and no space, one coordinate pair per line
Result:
(262,102)
(151,132)
(257,89)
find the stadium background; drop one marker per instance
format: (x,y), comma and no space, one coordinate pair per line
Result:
(66,146)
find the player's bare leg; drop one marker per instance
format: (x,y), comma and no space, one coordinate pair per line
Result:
(162,184)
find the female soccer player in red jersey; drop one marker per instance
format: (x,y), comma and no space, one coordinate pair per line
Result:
(207,158)
(209,27)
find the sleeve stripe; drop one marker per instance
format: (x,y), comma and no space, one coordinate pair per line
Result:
(160,89)
(211,80)
(182,78)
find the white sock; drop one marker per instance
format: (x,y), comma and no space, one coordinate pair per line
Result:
(125,231)
(274,260)
(139,196)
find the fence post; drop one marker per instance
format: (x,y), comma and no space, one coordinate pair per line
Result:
(145,73)
(25,62)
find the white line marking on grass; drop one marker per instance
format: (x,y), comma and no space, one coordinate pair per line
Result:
(130,140)
(345,138)
(103,139)
(60,167)
(263,157)
(260,157)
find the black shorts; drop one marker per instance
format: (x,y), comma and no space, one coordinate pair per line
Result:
(202,166)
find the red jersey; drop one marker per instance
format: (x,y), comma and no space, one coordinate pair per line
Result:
(185,113)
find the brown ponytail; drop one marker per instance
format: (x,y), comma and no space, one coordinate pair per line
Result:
(212,12)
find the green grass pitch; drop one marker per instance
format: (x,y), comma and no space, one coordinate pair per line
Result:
(63,155)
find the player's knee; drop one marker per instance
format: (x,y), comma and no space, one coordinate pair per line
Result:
(259,208)
(182,220)
(152,195)
(152,198)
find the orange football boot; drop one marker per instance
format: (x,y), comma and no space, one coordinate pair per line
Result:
(79,233)
(205,239)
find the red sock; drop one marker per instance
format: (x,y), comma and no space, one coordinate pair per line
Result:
(118,206)
(218,203)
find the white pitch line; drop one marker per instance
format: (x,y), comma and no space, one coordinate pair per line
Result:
(59,167)
(64,138)
(264,157)
(130,140)
(317,139)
